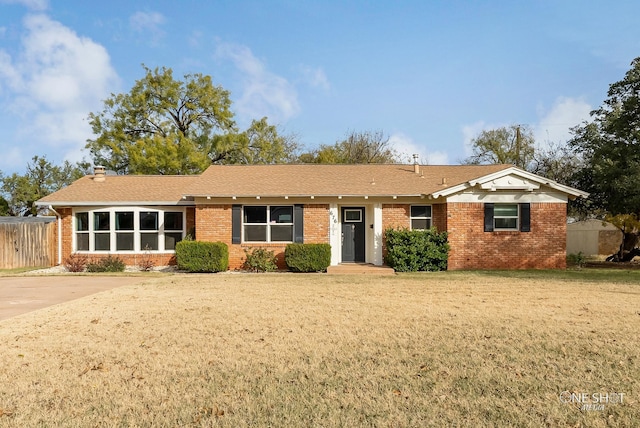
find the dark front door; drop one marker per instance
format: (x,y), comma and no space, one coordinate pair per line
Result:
(353,234)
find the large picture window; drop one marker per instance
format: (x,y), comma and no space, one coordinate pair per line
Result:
(420,217)
(262,223)
(128,230)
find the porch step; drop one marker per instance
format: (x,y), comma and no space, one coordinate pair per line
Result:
(359,269)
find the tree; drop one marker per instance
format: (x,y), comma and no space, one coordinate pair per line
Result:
(261,143)
(357,147)
(40,179)
(610,145)
(162,126)
(513,145)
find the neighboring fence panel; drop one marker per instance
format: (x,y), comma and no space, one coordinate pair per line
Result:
(30,244)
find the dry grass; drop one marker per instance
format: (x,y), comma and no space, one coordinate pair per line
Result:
(318,350)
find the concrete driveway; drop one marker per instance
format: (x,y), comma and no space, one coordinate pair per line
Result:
(22,294)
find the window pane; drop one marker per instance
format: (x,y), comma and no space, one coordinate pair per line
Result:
(420,223)
(282,233)
(124,221)
(505,210)
(352,215)
(102,242)
(101,221)
(281,214)
(420,211)
(255,214)
(148,241)
(124,241)
(255,233)
(506,223)
(149,220)
(172,221)
(171,239)
(82,242)
(82,221)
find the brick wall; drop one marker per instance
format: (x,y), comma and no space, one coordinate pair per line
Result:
(213,223)
(473,248)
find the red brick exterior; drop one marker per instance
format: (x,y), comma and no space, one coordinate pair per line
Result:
(544,247)
(213,223)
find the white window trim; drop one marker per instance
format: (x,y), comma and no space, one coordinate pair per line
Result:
(268,224)
(136,229)
(517,217)
(352,210)
(411,218)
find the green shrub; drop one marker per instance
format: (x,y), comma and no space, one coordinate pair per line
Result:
(416,250)
(260,260)
(107,264)
(307,257)
(577,260)
(198,256)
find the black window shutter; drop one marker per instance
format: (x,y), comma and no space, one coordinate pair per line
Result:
(525,217)
(298,224)
(236,224)
(488,217)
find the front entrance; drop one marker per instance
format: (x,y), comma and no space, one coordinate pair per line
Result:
(353,232)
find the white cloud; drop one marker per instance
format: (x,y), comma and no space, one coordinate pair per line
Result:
(148,22)
(53,83)
(406,148)
(554,125)
(263,92)
(35,5)
(315,77)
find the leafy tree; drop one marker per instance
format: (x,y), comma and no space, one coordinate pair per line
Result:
(259,144)
(513,145)
(356,148)
(41,178)
(610,145)
(162,126)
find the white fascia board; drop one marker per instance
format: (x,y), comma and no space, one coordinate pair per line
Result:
(113,204)
(534,178)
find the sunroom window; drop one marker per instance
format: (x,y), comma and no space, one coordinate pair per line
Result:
(127,230)
(262,223)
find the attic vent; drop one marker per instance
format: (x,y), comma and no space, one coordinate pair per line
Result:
(98,173)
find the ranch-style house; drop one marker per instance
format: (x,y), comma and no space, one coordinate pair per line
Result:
(496,216)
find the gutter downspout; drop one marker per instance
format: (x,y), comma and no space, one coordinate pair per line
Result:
(59,221)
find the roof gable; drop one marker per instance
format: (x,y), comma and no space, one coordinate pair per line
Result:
(511,178)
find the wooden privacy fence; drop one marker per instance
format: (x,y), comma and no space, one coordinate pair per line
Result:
(27,242)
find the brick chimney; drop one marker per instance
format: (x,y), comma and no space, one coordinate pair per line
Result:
(98,173)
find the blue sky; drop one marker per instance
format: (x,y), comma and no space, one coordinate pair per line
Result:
(429,74)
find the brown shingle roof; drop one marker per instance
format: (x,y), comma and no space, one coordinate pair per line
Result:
(268,180)
(331,180)
(122,189)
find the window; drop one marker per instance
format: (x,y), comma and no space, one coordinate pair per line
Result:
(420,217)
(267,223)
(149,230)
(172,229)
(505,216)
(352,216)
(516,217)
(82,231)
(128,230)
